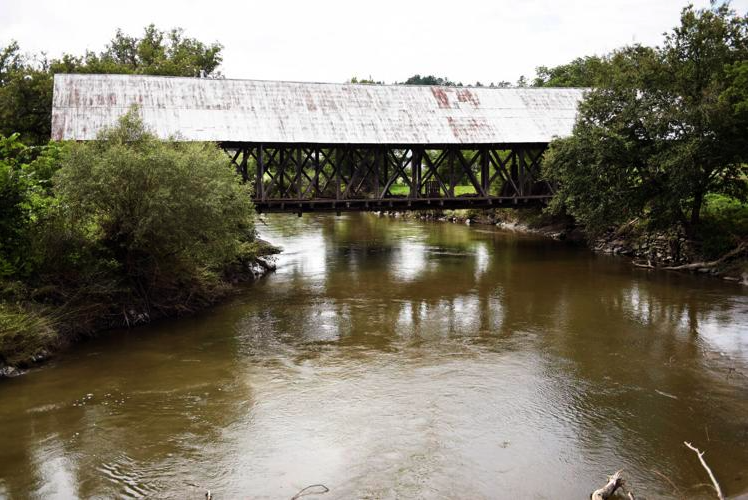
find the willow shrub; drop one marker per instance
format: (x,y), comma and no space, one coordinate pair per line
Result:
(168,216)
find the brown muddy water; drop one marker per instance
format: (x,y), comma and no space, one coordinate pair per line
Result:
(400,359)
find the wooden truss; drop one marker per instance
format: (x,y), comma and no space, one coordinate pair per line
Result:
(296,178)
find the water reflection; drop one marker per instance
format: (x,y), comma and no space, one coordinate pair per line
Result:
(398,359)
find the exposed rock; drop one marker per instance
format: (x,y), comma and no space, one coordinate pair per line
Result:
(9,371)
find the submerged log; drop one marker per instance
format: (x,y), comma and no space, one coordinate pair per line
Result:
(614,482)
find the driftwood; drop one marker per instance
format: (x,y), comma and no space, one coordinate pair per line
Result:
(315,489)
(614,482)
(698,265)
(700,454)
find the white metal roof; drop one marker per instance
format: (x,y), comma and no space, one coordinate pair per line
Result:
(199,109)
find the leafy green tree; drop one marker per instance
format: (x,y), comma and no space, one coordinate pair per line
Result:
(663,132)
(25,197)
(165,212)
(581,72)
(428,80)
(367,81)
(26,82)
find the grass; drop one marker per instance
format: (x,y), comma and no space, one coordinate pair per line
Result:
(24,334)
(724,223)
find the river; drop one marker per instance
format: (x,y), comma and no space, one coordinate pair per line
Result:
(400,359)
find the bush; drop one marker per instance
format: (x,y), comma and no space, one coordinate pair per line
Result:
(24,198)
(167,216)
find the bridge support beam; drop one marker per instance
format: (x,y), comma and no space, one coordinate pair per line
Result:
(316,177)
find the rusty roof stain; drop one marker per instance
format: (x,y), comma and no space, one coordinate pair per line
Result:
(199,109)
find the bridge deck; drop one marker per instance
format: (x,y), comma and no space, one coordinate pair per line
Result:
(396,204)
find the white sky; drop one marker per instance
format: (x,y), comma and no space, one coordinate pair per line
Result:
(330,40)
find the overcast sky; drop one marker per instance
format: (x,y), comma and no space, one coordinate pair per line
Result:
(331,41)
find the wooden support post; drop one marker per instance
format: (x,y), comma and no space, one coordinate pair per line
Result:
(260,168)
(385,169)
(514,174)
(377,171)
(415,172)
(316,172)
(298,173)
(243,166)
(485,171)
(522,171)
(338,167)
(452,177)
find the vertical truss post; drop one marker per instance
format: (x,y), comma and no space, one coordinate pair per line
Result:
(378,158)
(260,168)
(514,174)
(316,172)
(451,163)
(485,171)
(243,166)
(338,166)
(415,171)
(522,172)
(298,172)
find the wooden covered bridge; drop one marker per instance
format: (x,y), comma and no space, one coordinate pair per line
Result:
(335,147)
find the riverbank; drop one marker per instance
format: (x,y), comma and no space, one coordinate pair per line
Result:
(669,250)
(31,332)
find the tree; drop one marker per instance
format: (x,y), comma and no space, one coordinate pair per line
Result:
(164,211)
(25,196)
(581,72)
(366,81)
(26,82)
(428,80)
(664,130)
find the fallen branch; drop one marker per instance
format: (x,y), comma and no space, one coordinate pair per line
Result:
(711,475)
(315,489)
(648,265)
(696,265)
(614,482)
(699,265)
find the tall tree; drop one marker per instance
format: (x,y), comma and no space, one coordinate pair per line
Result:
(26,82)
(581,72)
(664,130)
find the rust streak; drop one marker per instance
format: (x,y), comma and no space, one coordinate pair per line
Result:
(465,95)
(441,97)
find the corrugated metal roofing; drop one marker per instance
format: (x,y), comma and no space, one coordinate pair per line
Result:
(199,109)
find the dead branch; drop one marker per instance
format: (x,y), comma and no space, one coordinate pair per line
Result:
(711,475)
(698,265)
(648,265)
(315,489)
(614,482)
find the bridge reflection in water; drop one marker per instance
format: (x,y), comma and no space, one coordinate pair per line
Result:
(313,178)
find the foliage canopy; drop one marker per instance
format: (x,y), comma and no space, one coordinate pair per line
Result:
(665,127)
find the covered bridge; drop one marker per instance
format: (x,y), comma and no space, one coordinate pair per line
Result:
(323,146)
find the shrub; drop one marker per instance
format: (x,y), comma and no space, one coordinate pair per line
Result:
(168,216)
